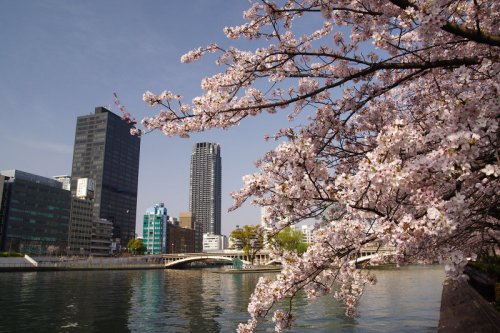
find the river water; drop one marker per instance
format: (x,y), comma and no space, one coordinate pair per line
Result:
(405,299)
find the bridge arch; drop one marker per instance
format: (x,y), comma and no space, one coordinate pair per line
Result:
(181,261)
(363,259)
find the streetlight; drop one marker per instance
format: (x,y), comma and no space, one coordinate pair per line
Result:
(128,225)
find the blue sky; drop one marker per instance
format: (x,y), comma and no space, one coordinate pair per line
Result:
(60,59)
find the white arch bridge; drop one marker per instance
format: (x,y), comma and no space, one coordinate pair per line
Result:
(180,259)
(370,251)
(261,258)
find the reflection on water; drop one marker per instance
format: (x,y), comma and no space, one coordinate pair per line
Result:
(407,299)
(404,300)
(63,301)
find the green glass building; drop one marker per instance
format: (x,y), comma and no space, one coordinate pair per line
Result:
(155,229)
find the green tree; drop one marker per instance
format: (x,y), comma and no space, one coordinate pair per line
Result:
(290,239)
(249,239)
(136,246)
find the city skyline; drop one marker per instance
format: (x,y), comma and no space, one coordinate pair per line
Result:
(61,60)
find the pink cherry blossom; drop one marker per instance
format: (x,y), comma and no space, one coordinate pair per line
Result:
(401,143)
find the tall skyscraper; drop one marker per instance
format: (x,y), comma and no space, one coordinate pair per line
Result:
(205,190)
(106,152)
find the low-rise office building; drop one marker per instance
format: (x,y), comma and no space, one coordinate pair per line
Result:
(34,213)
(307,233)
(80,227)
(180,240)
(102,232)
(82,219)
(214,243)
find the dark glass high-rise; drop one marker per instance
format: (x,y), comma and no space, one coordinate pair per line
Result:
(106,152)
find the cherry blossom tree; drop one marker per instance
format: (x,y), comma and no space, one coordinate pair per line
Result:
(400,145)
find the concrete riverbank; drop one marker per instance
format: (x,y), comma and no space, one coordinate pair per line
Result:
(463,310)
(29,264)
(256,269)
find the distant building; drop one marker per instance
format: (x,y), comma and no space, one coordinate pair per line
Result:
(65,180)
(264,214)
(205,190)
(34,213)
(82,219)
(3,207)
(307,231)
(173,220)
(214,243)
(155,229)
(106,152)
(187,220)
(80,227)
(102,231)
(180,240)
(235,244)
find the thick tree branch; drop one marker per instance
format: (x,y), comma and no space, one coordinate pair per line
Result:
(475,35)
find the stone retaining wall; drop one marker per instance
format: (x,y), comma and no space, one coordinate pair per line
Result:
(463,310)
